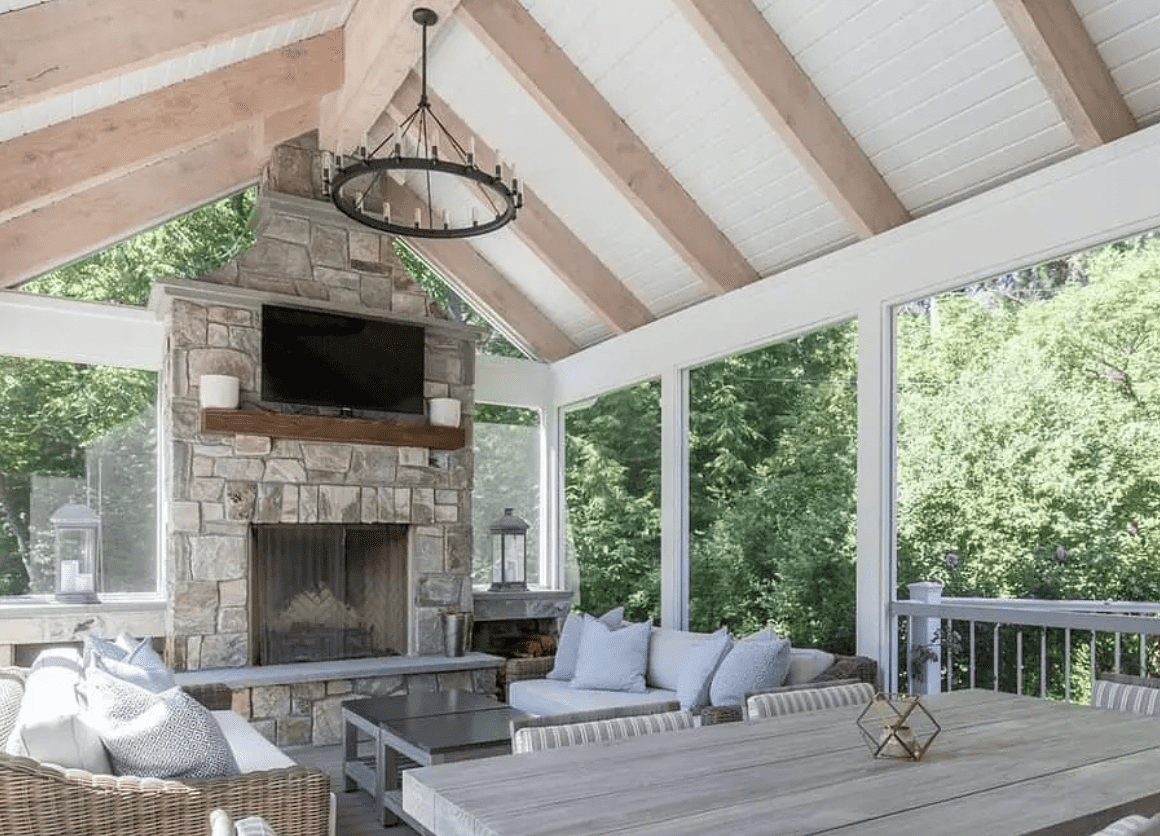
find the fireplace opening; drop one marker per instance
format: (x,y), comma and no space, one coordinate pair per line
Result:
(328,591)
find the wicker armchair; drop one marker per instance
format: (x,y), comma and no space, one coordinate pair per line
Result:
(37,799)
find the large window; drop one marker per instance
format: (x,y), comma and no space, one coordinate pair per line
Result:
(772,466)
(507,475)
(1029,431)
(612,477)
(85,436)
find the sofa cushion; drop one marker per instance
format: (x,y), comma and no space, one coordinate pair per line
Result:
(564,667)
(538,738)
(668,651)
(51,726)
(806,663)
(701,662)
(749,666)
(165,735)
(547,696)
(612,660)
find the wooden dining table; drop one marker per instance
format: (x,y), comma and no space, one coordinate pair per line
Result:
(1002,764)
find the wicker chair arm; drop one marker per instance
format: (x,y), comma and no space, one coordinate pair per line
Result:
(37,798)
(714,714)
(535,667)
(862,668)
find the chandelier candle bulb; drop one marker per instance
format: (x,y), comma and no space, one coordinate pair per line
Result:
(418,217)
(471,150)
(387,212)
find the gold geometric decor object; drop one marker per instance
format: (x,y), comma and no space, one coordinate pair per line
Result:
(897,726)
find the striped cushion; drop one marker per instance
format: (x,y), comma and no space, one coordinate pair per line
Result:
(1120,696)
(808,699)
(535,738)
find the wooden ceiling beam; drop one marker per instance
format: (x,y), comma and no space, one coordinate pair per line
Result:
(548,75)
(484,286)
(54,48)
(1066,60)
(540,228)
(84,223)
(745,43)
(67,158)
(383,43)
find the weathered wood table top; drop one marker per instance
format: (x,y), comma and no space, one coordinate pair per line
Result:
(1003,764)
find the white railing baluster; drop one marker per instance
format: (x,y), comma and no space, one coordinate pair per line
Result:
(971,663)
(949,646)
(995,659)
(1043,662)
(909,647)
(1019,661)
(1118,644)
(1143,663)
(1067,664)
(1092,663)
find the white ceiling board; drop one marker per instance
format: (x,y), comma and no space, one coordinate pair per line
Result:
(699,123)
(1127,35)
(488,99)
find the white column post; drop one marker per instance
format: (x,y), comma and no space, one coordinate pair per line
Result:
(927,673)
(674,500)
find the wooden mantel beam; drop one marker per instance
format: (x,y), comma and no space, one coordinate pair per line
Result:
(54,48)
(551,78)
(64,159)
(740,36)
(1064,56)
(542,230)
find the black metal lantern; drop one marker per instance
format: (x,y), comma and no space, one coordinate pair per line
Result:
(509,552)
(77,532)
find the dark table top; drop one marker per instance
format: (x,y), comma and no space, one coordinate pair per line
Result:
(466,730)
(387,709)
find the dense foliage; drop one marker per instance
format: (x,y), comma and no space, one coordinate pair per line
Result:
(92,427)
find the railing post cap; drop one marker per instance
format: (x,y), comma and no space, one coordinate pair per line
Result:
(926,590)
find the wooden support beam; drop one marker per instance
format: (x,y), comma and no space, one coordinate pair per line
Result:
(540,228)
(486,287)
(1070,67)
(548,75)
(383,43)
(742,39)
(54,48)
(81,224)
(67,158)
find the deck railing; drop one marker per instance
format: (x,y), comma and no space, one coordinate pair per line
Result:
(1051,648)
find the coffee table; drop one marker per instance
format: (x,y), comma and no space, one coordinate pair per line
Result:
(418,730)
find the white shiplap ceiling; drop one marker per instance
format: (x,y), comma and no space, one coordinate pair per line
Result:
(941,100)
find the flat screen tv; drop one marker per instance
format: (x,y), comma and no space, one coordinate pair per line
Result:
(319,358)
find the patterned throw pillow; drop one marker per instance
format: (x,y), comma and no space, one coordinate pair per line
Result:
(612,660)
(165,735)
(749,666)
(565,665)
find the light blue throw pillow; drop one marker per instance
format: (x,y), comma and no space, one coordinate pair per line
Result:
(612,660)
(750,666)
(698,668)
(569,645)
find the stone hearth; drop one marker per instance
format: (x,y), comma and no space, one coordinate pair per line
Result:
(218,485)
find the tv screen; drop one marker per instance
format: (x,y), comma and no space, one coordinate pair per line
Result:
(320,358)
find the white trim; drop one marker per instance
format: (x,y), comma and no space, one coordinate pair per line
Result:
(96,333)
(675,499)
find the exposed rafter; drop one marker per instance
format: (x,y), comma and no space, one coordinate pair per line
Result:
(53,48)
(486,287)
(113,211)
(741,38)
(60,160)
(381,47)
(561,89)
(540,228)
(1070,67)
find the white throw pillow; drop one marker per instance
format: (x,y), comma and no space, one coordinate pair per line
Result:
(152,679)
(612,660)
(668,653)
(749,666)
(569,645)
(51,727)
(701,662)
(166,735)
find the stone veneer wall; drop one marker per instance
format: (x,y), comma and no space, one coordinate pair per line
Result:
(219,484)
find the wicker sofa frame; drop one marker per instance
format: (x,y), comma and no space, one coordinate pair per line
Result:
(858,668)
(38,799)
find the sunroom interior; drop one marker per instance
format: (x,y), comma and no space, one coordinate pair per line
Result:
(701,179)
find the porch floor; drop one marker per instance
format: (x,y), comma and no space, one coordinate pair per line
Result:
(356,813)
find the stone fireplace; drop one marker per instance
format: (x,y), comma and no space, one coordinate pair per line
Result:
(228,492)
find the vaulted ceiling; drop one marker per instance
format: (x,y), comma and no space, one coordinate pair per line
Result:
(672,150)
